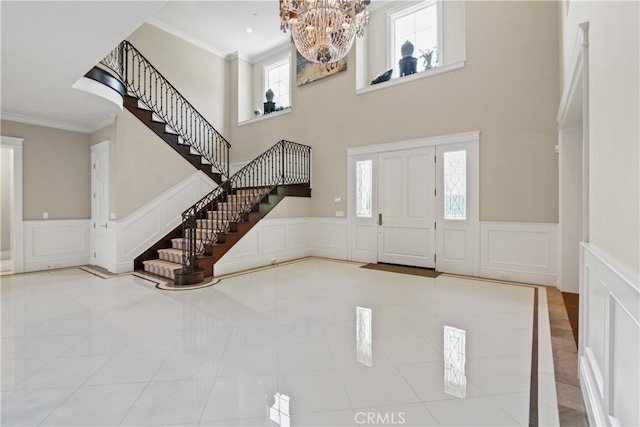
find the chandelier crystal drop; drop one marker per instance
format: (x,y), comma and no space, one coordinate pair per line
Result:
(323,30)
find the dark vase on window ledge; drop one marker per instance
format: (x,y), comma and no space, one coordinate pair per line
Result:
(408,64)
(269,106)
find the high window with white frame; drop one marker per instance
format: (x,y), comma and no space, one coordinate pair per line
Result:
(421,24)
(277,78)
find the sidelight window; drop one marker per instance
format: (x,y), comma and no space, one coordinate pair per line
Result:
(455,185)
(364,188)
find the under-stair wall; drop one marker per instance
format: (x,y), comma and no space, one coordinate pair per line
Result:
(132,235)
(142,167)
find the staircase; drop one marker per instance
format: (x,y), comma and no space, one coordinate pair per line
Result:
(143,112)
(150,97)
(215,223)
(219,220)
(210,237)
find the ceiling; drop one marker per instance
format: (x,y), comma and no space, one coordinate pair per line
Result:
(221,26)
(49,45)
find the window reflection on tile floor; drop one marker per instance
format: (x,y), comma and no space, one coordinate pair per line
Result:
(315,342)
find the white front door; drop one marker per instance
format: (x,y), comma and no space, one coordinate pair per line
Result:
(100,204)
(406,207)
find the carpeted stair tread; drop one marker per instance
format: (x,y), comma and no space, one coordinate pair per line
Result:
(210,224)
(161,267)
(179,241)
(171,254)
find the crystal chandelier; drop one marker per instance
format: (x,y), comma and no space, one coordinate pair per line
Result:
(323,30)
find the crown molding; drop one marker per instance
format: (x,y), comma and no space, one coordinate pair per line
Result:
(270,52)
(239,55)
(39,121)
(189,39)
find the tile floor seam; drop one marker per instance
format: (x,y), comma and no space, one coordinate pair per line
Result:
(58,407)
(344,387)
(491,397)
(28,376)
(206,403)
(133,404)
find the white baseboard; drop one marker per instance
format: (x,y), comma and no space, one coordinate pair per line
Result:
(609,339)
(56,244)
(518,251)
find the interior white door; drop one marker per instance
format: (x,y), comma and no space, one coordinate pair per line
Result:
(100,206)
(406,207)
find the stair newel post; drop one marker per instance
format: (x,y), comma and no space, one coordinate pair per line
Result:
(188,240)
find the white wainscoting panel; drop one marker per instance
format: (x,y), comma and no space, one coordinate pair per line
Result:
(275,240)
(274,237)
(525,252)
(270,241)
(55,244)
(364,242)
(131,236)
(329,237)
(609,353)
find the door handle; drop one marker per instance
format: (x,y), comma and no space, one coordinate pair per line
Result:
(379,219)
(105,225)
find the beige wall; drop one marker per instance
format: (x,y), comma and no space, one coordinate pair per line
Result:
(613,122)
(245,92)
(508,90)
(56,171)
(292,207)
(199,75)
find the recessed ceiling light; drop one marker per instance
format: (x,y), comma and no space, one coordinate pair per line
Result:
(249,30)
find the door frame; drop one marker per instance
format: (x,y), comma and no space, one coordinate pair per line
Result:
(573,115)
(17,226)
(355,253)
(102,147)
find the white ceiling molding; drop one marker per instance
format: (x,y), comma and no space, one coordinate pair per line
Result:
(39,121)
(177,33)
(270,52)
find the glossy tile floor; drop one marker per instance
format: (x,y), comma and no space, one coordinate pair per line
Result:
(315,342)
